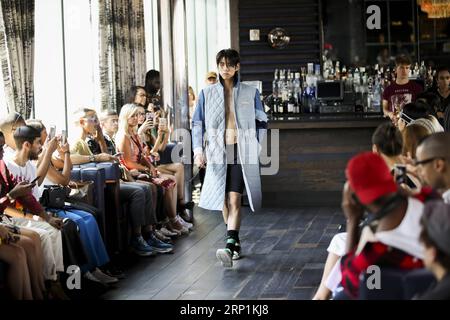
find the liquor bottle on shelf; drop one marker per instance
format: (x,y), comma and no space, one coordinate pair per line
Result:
(297,93)
(275,89)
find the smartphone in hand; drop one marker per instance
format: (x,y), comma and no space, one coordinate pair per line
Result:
(63,137)
(400,174)
(52,132)
(35,180)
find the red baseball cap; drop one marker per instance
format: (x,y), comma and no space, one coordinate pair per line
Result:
(369,177)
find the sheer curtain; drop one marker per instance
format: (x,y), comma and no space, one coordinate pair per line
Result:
(17,54)
(122,49)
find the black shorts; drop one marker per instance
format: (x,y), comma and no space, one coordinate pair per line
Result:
(235,178)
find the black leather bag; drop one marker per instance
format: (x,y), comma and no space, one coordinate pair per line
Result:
(54,196)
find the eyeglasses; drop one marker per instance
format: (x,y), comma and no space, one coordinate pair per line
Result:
(140,114)
(416,163)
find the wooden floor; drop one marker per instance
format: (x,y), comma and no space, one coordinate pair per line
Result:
(284,251)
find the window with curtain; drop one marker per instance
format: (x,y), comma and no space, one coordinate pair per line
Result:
(81,62)
(151,34)
(208,32)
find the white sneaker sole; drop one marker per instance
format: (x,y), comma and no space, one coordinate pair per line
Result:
(223,256)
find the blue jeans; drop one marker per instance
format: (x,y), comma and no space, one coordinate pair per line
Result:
(90,237)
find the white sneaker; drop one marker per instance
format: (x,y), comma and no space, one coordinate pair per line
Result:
(104,278)
(168,233)
(225,257)
(185,224)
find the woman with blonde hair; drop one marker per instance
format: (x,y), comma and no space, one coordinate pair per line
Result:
(134,158)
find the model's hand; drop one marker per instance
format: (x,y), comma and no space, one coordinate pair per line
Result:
(199,160)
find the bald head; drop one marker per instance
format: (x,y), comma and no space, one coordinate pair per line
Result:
(436,145)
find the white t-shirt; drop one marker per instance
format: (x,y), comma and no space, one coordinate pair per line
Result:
(8,152)
(26,173)
(406,236)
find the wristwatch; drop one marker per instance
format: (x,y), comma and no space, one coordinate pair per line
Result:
(92,158)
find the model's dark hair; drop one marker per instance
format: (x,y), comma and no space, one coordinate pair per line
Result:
(388,139)
(231,57)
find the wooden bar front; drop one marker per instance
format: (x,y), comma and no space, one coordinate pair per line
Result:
(314,151)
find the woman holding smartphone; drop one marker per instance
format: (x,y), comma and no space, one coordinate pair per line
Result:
(154,132)
(135,158)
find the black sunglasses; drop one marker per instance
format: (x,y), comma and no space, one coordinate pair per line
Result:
(416,163)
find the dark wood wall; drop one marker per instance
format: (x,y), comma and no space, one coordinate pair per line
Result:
(302,21)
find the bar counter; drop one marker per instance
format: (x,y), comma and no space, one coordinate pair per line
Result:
(314,151)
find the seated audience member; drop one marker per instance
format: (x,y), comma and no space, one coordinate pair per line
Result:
(109,121)
(138,197)
(412,135)
(153,88)
(51,237)
(433,163)
(411,112)
(129,143)
(22,168)
(20,248)
(387,143)
(156,142)
(433,103)
(138,96)
(87,122)
(88,228)
(442,92)
(390,237)
(435,237)
(431,123)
